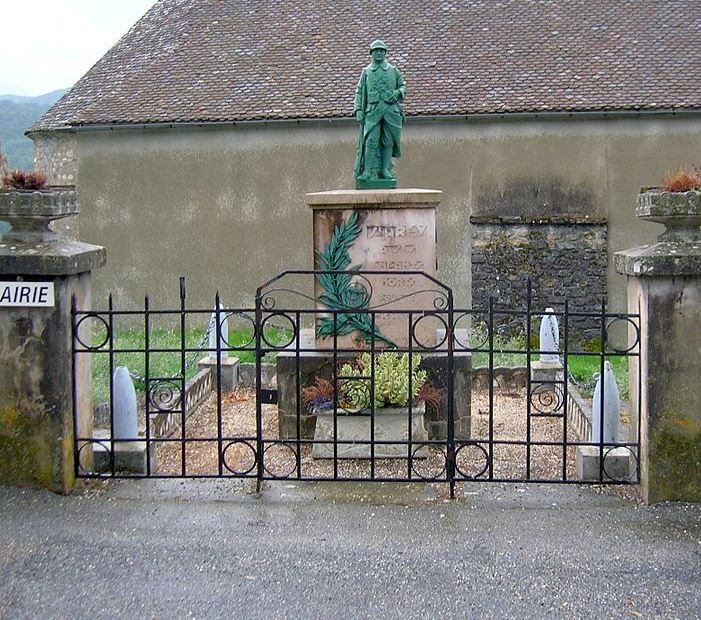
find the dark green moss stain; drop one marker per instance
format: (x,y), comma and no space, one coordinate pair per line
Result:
(28,448)
(675,463)
(537,198)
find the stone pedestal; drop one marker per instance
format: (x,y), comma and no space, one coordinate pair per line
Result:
(664,285)
(396,232)
(544,375)
(36,380)
(320,364)
(229,372)
(129,456)
(618,464)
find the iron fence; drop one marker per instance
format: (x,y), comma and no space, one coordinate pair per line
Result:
(461,431)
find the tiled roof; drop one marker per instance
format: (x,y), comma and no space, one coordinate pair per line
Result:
(235,60)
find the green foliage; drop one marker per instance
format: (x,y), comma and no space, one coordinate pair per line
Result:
(17,114)
(339,293)
(166,363)
(583,368)
(392,374)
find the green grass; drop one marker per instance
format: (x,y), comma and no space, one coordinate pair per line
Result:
(167,364)
(582,367)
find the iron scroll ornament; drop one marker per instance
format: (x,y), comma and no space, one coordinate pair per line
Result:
(340,291)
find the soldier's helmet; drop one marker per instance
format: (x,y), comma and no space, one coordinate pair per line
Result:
(377,45)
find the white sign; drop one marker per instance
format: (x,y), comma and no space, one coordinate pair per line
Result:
(27,294)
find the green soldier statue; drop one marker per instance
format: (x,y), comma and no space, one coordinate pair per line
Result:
(377,96)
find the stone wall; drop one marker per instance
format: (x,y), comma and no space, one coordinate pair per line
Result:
(564,258)
(56,156)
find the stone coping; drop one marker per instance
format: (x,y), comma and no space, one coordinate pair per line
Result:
(517,220)
(54,258)
(660,259)
(378,198)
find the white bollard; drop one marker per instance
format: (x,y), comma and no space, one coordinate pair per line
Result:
(549,338)
(124,405)
(212,328)
(612,408)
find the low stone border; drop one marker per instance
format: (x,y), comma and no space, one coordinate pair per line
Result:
(578,413)
(247,375)
(504,377)
(197,390)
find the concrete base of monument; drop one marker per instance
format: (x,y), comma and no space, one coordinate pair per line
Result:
(312,363)
(129,456)
(354,431)
(546,376)
(619,464)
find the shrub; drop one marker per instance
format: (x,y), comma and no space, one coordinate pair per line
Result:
(21,179)
(683,180)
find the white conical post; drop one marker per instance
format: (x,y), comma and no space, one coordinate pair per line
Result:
(212,328)
(549,338)
(124,405)
(612,408)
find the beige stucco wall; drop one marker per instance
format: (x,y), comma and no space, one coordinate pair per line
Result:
(225,206)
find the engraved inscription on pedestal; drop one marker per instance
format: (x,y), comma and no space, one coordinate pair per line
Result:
(395,240)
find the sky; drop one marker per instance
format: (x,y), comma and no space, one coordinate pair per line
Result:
(51,44)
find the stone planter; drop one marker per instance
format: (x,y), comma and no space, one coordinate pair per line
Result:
(680,212)
(391,424)
(678,249)
(30,212)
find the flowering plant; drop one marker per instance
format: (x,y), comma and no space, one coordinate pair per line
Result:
(391,383)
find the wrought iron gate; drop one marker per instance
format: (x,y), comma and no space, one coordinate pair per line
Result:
(401,387)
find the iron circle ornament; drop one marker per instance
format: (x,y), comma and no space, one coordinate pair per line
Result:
(477,331)
(632,475)
(279,450)
(105,447)
(359,293)
(429,471)
(481,453)
(104,326)
(293,330)
(355,394)
(439,341)
(610,327)
(237,443)
(234,314)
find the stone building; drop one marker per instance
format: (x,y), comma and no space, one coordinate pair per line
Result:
(194,139)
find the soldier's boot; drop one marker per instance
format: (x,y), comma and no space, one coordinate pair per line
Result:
(386,172)
(370,171)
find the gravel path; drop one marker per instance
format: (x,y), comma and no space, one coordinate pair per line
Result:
(238,423)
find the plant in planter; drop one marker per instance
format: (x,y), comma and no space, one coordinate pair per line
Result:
(23,180)
(677,205)
(29,205)
(394,387)
(683,180)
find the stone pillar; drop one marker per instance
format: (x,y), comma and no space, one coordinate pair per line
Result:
(390,230)
(664,284)
(40,274)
